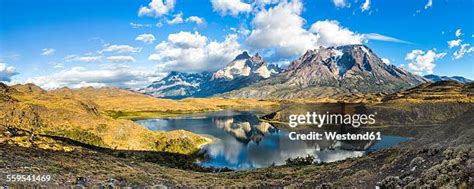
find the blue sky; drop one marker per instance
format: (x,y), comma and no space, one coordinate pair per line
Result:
(77,43)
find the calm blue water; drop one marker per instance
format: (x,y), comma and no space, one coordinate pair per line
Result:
(241,141)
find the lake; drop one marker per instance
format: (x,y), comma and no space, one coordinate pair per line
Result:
(241,141)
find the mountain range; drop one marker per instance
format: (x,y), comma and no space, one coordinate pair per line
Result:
(323,72)
(332,71)
(435,78)
(240,72)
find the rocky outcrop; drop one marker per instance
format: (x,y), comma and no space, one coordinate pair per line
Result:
(333,71)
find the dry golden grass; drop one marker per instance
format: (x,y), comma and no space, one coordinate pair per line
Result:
(81,115)
(90,115)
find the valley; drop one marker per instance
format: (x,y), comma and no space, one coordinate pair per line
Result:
(168,134)
(60,126)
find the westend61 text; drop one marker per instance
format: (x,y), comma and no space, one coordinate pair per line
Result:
(335,136)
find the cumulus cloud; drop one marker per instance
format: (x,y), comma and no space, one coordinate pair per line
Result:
(146,38)
(423,62)
(48,51)
(195,19)
(365,6)
(156,8)
(330,33)
(429,4)
(178,19)
(118,59)
(192,52)
(454,43)
(120,49)
(107,75)
(341,3)
(281,28)
(187,40)
(458,33)
(465,49)
(7,72)
(230,7)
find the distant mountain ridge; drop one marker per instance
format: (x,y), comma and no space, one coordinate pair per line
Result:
(240,72)
(435,78)
(177,85)
(332,71)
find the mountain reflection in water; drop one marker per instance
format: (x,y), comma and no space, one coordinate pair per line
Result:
(242,141)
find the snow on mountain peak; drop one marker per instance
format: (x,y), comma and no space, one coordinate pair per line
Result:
(244,65)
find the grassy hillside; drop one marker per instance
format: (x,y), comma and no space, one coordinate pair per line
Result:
(79,117)
(72,135)
(439,158)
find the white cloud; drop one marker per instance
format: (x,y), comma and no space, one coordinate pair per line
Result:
(265,2)
(178,19)
(48,51)
(75,58)
(423,62)
(56,65)
(281,28)
(192,52)
(230,7)
(108,75)
(458,33)
(136,25)
(89,58)
(7,72)
(465,49)
(454,43)
(195,19)
(332,34)
(72,58)
(379,37)
(120,49)
(156,8)
(385,60)
(146,38)
(242,30)
(366,6)
(429,4)
(341,3)
(187,39)
(118,59)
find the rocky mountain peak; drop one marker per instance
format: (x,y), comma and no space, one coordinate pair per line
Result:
(334,70)
(244,55)
(242,71)
(257,59)
(244,66)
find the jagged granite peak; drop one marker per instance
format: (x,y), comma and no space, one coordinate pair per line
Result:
(245,55)
(435,78)
(244,65)
(240,72)
(257,59)
(331,71)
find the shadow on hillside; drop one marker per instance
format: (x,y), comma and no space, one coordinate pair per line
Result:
(167,159)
